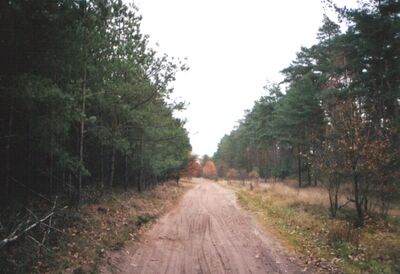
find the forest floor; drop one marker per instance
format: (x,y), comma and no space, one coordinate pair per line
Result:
(300,218)
(83,239)
(113,223)
(206,233)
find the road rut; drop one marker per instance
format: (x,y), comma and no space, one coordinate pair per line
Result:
(207,233)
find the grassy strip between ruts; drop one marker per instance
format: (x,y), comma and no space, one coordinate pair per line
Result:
(103,226)
(323,241)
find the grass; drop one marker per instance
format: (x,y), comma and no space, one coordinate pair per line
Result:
(85,237)
(300,217)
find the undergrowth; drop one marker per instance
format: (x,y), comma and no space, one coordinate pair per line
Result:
(307,228)
(82,238)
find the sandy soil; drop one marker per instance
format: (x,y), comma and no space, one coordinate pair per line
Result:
(206,233)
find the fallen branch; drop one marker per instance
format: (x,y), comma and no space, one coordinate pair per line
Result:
(54,228)
(15,235)
(41,245)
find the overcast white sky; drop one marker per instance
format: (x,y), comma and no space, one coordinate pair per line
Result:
(233,48)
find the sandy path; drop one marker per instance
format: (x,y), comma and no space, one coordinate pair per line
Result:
(206,233)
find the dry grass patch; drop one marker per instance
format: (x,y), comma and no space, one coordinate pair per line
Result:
(301,218)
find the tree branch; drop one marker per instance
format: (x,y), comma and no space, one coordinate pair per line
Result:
(14,236)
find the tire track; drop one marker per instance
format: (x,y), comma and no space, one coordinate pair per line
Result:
(207,233)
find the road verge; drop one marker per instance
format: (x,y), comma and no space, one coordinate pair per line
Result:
(333,245)
(105,226)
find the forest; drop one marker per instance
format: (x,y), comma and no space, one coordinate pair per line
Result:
(84,102)
(93,154)
(85,110)
(335,119)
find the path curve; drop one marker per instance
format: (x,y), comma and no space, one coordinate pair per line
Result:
(207,233)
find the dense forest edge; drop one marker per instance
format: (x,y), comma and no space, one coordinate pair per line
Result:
(85,110)
(334,120)
(317,159)
(84,100)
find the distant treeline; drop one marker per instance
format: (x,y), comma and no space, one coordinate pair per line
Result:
(335,118)
(84,101)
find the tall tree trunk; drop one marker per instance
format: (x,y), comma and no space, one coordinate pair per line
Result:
(155,180)
(299,167)
(112,168)
(358,201)
(29,175)
(126,172)
(8,154)
(51,171)
(82,120)
(51,158)
(365,204)
(141,174)
(308,173)
(62,187)
(365,196)
(315,177)
(81,138)
(102,166)
(70,193)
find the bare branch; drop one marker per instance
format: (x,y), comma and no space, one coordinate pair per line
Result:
(15,235)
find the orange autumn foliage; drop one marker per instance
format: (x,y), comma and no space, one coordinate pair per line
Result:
(193,169)
(209,169)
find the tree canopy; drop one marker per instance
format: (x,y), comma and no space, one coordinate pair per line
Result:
(84,100)
(335,117)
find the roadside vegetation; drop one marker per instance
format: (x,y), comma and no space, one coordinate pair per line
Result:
(333,125)
(301,219)
(81,242)
(334,120)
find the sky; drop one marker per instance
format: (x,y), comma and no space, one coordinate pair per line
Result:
(233,48)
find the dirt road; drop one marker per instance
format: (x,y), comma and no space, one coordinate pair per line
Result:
(206,233)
